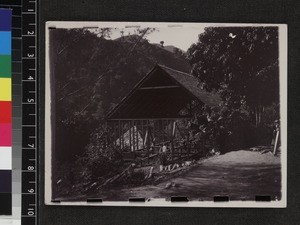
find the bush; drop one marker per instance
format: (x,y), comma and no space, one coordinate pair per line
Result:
(225,130)
(99,162)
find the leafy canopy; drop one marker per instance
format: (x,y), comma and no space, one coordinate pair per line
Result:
(240,63)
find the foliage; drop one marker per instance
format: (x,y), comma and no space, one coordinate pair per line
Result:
(224,129)
(241,64)
(98,162)
(91,74)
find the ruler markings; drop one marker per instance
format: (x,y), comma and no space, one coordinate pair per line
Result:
(29,123)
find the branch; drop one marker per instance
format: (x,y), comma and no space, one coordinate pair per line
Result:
(111,62)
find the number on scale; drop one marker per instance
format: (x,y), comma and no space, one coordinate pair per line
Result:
(30,167)
(30,32)
(30,209)
(31,145)
(30,212)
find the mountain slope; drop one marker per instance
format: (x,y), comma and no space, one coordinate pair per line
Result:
(170,48)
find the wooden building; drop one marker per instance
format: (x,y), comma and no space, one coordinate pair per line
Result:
(147,118)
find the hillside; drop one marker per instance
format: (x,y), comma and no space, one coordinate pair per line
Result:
(166,56)
(92,75)
(169,48)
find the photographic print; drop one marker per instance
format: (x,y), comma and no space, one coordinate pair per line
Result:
(151,111)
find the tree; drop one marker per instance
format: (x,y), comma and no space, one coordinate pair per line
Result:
(162,44)
(179,52)
(241,63)
(90,74)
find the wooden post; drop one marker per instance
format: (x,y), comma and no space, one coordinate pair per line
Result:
(172,140)
(133,144)
(148,145)
(143,139)
(133,138)
(160,128)
(153,137)
(137,135)
(146,136)
(129,127)
(276,143)
(163,130)
(174,129)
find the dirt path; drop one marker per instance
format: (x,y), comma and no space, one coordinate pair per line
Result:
(239,175)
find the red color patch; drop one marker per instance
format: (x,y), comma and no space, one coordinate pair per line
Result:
(5,134)
(5,112)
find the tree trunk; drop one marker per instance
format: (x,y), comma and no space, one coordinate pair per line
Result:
(258,114)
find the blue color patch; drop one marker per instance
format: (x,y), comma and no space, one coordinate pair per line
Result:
(5,19)
(5,43)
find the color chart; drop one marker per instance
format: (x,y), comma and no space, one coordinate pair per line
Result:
(19,205)
(5,113)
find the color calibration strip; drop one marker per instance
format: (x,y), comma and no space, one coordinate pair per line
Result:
(5,113)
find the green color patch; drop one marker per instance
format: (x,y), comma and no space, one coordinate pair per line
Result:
(5,66)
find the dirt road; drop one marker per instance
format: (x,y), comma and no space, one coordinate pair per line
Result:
(239,175)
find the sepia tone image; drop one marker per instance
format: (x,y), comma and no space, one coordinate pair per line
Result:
(155,111)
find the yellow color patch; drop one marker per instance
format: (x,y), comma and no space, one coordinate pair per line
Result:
(5,89)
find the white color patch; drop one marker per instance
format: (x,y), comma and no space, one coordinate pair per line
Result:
(5,158)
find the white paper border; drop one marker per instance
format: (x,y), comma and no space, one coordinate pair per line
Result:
(282,29)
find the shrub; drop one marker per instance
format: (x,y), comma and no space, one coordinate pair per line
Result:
(99,162)
(225,130)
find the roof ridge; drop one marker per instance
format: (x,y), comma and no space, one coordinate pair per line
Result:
(175,70)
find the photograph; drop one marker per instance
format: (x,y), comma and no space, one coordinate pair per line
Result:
(150,112)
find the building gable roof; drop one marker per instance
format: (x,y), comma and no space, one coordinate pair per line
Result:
(188,87)
(191,84)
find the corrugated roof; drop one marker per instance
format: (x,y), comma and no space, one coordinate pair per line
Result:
(191,84)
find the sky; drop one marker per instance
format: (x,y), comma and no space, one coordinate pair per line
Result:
(182,37)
